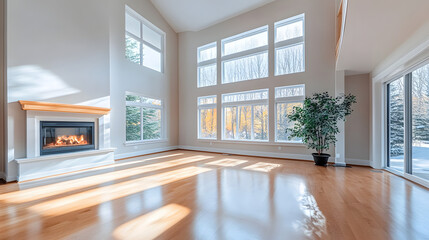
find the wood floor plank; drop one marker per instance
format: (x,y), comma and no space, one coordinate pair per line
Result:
(198,195)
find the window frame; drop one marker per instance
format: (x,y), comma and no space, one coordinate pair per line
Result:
(140,39)
(206,63)
(204,107)
(251,103)
(282,100)
(244,53)
(142,105)
(289,42)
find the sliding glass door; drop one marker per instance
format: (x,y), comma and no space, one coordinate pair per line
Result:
(408,123)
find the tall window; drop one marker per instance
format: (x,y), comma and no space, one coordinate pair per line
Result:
(289,45)
(207,72)
(245,56)
(287,98)
(207,117)
(144,43)
(408,123)
(245,115)
(143,118)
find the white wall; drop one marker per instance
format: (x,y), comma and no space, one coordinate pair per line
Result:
(2,86)
(73,52)
(319,75)
(357,130)
(128,76)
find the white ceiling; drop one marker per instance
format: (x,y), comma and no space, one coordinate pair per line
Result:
(194,15)
(374,29)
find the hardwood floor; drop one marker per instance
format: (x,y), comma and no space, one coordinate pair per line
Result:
(195,195)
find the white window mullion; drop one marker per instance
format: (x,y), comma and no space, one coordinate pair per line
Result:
(141,124)
(252,124)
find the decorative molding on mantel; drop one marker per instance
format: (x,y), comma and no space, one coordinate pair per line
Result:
(58,107)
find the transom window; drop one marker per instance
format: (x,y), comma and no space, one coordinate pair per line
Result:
(207,117)
(207,72)
(245,56)
(245,116)
(143,118)
(289,45)
(286,98)
(144,42)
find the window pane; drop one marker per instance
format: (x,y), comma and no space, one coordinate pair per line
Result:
(396,124)
(133,121)
(207,100)
(289,31)
(151,101)
(132,98)
(207,53)
(151,58)
(290,59)
(132,25)
(282,121)
(245,96)
(260,122)
(132,49)
(207,76)
(245,122)
(246,68)
(420,122)
(152,37)
(290,91)
(246,43)
(151,123)
(208,118)
(230,121)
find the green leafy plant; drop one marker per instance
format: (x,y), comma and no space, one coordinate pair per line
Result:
(316,121)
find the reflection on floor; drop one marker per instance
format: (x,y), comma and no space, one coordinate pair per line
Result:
(194,195)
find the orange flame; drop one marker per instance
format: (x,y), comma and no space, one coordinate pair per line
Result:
(68,140)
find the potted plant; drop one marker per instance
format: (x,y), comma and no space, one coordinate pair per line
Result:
(316,122)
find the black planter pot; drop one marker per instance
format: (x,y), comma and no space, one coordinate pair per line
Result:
(321,160)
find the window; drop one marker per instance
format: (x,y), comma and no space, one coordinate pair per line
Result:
(287,98)
(207,73)
(289,45)
(143,118)
(245,56)
(408,123)
(245,116)
(207,117)
(144,43)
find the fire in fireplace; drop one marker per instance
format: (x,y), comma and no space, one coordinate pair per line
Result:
(62,137)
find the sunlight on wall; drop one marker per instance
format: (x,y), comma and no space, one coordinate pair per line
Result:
(153,224)
(75,184)
(100,195)
(32,82)
(262,167)
(227,162)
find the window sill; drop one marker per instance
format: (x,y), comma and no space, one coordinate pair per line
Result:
(145,142)
(265,143)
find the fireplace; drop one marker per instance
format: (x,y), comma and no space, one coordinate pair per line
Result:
(62,137)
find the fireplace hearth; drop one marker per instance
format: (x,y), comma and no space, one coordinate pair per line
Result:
(62,137)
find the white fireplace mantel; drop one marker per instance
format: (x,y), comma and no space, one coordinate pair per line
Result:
(36,166)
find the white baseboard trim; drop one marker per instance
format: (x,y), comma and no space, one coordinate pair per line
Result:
(3,176)
(11,178)
(144,152)
(253,153)
(360,162)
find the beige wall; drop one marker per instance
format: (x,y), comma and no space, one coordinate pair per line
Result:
(318,77)
(357,129)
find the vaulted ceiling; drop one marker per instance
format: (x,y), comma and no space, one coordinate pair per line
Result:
(194,15)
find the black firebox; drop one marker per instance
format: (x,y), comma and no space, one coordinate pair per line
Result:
(63,137)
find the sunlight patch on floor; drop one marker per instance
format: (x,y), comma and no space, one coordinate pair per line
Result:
(100,195)
(227,162)
(153,224)
(262,167)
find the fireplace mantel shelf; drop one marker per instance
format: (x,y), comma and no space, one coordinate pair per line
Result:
(58,107)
